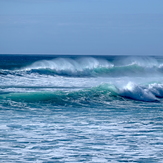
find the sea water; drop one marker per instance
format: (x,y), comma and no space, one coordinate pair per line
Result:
(81,109)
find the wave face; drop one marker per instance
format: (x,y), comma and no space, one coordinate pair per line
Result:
(78,80)
(101,94)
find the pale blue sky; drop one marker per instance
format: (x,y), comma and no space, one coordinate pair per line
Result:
(106,27)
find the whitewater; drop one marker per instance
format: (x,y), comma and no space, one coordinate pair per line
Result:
(56,108)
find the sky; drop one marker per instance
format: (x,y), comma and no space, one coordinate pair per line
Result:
(88,27)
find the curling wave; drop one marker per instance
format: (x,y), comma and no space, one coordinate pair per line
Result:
(70,67)
(97,95)
(89,66)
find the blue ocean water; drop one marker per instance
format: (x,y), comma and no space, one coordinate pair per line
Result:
(81,109)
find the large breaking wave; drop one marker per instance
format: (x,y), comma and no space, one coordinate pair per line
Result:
(101,94)
(90,66)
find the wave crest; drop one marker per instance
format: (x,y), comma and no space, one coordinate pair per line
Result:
(96,95)
(136,92)
(80,66)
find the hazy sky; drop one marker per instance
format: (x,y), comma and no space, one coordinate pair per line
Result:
(104,27)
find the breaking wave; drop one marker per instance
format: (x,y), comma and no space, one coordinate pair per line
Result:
(90,66)
(97,95)
(70,67)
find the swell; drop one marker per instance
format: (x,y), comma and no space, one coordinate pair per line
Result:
(101,94)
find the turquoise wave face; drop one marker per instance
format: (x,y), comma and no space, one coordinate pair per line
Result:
(96,95)
(100,95)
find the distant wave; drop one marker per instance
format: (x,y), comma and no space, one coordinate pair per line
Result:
(89,66)
(86,66)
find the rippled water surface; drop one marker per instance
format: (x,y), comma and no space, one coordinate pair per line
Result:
(121,132)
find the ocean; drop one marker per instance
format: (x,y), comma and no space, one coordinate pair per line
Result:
(92,109)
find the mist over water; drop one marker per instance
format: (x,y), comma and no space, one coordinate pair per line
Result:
(81,109)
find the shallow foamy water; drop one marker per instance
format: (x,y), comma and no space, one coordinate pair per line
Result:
(114,133)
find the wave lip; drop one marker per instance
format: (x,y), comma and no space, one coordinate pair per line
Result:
(139,93)
(156,89)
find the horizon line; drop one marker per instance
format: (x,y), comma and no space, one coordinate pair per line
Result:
(79,54)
